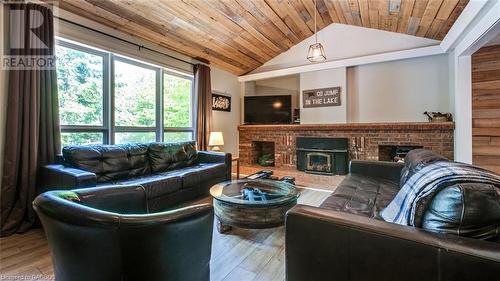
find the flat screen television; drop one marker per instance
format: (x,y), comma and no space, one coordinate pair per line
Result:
(268,110)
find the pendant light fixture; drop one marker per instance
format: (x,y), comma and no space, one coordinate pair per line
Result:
(316,52)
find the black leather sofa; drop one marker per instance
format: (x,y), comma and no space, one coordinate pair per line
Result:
(346,239)
(170,172)
(109,234)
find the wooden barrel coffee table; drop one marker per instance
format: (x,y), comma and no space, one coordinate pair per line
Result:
(250,203)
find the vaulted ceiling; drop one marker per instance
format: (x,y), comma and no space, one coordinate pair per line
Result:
(240,35)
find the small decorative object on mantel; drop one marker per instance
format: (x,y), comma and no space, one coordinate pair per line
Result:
(221,102)
(321,97)
(439,117)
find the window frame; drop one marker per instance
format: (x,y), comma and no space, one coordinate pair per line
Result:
(108,128)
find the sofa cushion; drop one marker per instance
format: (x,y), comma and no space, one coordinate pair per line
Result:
(193,176)
(362,195)
(155,185)
(109,162)
(170,156)
(190,176)
(87,158)
(468,209)
(211,171)
(139,159)
(415,160)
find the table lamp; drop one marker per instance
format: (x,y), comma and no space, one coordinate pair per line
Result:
(215,140)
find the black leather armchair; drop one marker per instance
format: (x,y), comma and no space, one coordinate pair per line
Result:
(107,234)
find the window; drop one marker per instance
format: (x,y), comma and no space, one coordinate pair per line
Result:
(135,92)
(81,87)
(177,107)
(105,98)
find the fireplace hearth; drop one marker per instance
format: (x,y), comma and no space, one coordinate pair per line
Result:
(325,156)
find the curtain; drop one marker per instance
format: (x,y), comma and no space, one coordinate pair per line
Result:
(203,90)
(32,121)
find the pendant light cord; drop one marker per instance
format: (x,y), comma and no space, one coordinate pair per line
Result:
(315,31)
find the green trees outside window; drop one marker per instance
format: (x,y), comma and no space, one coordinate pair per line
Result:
(132,105)
(80,86)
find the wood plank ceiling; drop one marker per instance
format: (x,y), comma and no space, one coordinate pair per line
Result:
(240,35)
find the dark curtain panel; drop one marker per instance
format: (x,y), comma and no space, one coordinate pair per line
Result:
(32,129)
(203,90)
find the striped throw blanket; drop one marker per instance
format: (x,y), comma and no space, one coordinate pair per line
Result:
(411,202)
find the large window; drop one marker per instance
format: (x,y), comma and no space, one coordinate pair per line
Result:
(105,98)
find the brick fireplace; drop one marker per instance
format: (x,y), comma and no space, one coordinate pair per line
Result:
(364,139)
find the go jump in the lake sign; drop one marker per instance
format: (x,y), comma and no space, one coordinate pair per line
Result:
(321,97)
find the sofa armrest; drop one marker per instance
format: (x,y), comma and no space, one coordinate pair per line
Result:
(62,177)
(377,169)
(321,243)
(216,157)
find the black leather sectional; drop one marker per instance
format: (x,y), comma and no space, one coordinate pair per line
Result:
(345,239)
(170,172)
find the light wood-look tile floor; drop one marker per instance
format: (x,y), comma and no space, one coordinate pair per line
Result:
(240,255)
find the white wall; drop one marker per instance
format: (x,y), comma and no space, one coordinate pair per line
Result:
(279,86)
(398,91)
(291,82)
(346,41)
(324,79)
(227,122)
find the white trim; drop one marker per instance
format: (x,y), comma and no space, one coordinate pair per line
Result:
(486,23)
(463,109)
(383,57)
(459,27)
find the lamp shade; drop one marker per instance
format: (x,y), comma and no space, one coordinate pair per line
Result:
(216,139)
(316,53)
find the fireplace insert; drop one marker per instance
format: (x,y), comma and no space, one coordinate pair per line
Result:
(326,156)
(319,162)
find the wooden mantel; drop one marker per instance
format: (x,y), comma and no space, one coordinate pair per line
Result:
(353,126)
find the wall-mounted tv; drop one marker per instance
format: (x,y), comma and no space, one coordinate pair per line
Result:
(268,109)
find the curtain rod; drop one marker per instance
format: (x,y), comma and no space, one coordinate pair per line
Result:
(121,39)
